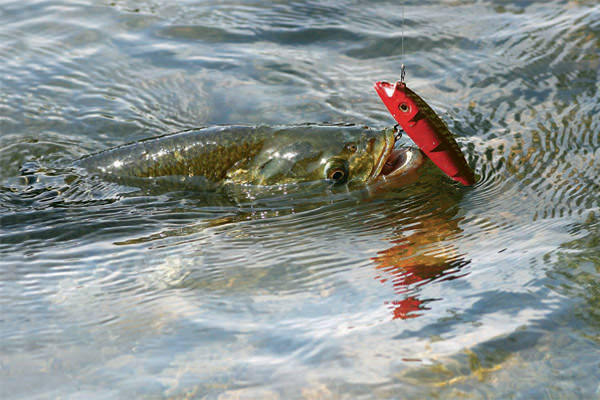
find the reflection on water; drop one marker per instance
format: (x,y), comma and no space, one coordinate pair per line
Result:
(422,250)
(426,289)
(423,256)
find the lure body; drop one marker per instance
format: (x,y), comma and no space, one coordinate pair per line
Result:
(426,129)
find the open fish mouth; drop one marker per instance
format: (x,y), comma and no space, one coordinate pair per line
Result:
(402,160)
(396,160)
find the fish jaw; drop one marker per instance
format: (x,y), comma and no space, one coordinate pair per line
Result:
(389,140)
(395,160)
(402,161)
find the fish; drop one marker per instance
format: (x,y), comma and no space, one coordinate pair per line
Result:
(426,129)
(264,155)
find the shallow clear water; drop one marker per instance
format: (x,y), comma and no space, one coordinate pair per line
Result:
(428,291)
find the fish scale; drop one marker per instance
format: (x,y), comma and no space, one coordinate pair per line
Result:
(260,155)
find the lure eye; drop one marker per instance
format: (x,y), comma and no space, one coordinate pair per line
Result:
(404,107)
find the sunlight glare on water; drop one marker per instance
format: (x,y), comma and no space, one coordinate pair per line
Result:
(430,290)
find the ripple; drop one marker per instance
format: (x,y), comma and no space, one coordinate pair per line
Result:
(431,288)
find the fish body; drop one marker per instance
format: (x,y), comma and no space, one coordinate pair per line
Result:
(426,129)
(263,155)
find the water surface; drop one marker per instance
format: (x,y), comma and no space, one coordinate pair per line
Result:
(427,291)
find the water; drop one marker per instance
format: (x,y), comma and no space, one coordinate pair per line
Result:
(429,291)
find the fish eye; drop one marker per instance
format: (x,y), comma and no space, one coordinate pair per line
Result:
(336,175)
(337,172)
(404,107)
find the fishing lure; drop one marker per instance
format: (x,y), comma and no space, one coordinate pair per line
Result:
(426,129)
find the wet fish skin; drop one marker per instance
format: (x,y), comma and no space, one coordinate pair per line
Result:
(260,155)
(208,152)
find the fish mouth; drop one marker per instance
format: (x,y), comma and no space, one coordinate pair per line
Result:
(388,148)
(395,161)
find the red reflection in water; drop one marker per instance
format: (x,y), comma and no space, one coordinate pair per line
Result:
(424,256)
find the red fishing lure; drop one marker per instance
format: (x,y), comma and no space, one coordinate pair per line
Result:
(426,129)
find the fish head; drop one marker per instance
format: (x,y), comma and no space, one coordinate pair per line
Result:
(397,100)
(339,154)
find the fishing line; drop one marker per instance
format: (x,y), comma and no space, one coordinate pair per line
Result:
(402,69)
(397,128)
(424,126)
